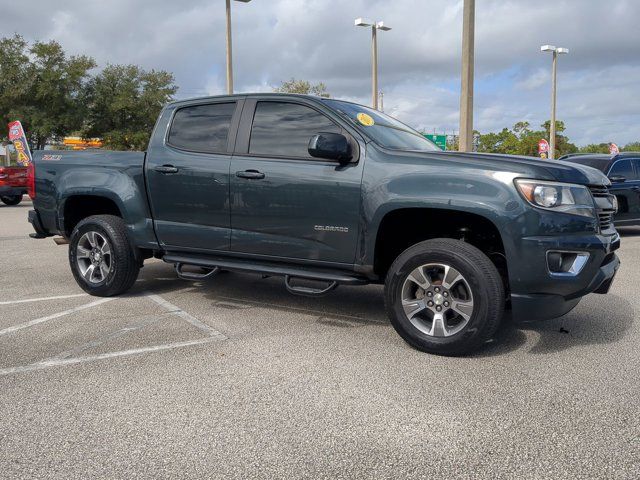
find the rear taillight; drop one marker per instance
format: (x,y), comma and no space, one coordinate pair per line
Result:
(3,176)
(31,181)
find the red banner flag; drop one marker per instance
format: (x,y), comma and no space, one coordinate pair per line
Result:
(19,139)
(543,148)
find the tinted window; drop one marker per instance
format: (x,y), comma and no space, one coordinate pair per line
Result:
(202,128)
(284,129)
(636,163)
(624,168)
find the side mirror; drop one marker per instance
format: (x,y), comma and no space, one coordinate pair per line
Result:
(332,146)
(617,178)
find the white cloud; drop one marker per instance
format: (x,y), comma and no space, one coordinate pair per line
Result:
(275,40)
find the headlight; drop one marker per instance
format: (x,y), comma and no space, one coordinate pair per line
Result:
(558,197)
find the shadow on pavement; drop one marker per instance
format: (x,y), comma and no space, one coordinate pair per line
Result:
(344,307)
(358,306)
(582,326)
(629,231)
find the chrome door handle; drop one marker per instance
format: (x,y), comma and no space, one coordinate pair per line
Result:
(251,174)
(166,169)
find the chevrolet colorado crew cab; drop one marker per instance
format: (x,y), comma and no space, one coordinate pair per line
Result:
(325,192)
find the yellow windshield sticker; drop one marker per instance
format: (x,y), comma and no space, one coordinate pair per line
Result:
(365,119)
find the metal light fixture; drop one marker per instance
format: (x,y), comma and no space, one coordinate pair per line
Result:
(229,49)
(375,26)
(552,128)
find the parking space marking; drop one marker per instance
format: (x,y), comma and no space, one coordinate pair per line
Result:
(185,316)
(68,357)
(148,320)
(38,321)
(92,358)
(43,299)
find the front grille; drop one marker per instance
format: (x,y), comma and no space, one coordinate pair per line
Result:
(605,206)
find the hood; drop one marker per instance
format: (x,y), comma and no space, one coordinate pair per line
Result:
(529,167)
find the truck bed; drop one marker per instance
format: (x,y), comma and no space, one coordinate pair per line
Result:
(62,177)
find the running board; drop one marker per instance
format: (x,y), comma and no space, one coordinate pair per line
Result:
(194,277)
(272,269)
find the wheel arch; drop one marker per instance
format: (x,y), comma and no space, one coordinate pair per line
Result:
(400,228)
(77,206)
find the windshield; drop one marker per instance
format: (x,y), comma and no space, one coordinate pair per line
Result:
(382,129)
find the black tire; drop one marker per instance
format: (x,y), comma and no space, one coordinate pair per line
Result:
(480,275)
(11,199)
(124,267)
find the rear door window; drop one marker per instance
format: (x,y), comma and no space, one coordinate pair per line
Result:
(202,128)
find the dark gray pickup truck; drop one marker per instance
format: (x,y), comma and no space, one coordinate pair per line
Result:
(325,192)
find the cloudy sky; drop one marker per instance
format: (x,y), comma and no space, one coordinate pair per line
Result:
(274,40)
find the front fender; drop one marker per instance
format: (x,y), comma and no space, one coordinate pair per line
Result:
(482,193)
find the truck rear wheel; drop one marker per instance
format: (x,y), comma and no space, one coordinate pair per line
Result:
(101,257)
(11,199)
(444,296)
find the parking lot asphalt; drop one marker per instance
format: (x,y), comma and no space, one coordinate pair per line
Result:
(235,378)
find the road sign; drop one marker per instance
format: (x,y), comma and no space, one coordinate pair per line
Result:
(439,140)
(543,148)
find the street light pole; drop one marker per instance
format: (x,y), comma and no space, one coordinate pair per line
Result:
(229,48)
(375,26)
(554,89)
(466,91)
(374,67)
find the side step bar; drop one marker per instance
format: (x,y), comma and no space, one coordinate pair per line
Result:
(194,277)
(289,272)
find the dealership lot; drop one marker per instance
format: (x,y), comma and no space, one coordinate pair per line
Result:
(234,377)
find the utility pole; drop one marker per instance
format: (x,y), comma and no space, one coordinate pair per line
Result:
(374,67)
(381,101)
(229,48)
(229,51)
(466,91)
(554,88)
(375,26)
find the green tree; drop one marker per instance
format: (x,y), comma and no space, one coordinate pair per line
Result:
(14,80)
(521,140)
(303,87)
(595,148)
(42,87)
(124,102)
(56,91)
(631,147)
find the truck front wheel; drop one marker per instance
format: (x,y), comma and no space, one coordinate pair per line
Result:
(101,257)
(444,296)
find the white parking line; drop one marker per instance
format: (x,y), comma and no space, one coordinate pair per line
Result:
(38,321)
(42,299)
(92,358)
(68,357)
(74,352)
(185,316)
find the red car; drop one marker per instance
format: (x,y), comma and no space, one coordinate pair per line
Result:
(13,184)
